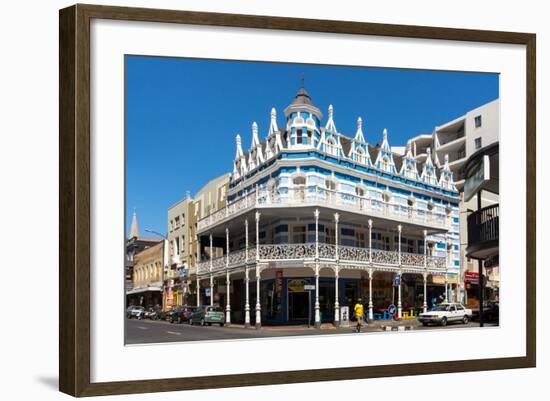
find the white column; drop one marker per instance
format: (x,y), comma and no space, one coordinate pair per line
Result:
(211,277)
(197,272)
(337,257)
(425,307)
(198,292)
(371,314)
(227,281)
(258,306)
(246,278)
(317,306)
(399,305)
(370,242)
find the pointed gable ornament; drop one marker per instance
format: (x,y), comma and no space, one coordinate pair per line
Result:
(331,127)
(359,137)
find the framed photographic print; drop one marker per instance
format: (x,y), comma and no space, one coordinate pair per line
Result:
(272,200)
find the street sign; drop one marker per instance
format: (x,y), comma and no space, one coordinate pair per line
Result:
(309,287)
(397,281)
(344,316)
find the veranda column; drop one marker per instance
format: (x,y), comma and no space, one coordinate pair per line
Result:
(371,314)
(425,306)
(446,273)
(227,282)
(337,272)
(425,272)
(399,305)
(246,278)
(197,271)
(258,306)
(317,311)
(211,276)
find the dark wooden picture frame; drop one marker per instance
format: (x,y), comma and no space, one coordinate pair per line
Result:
(74,203)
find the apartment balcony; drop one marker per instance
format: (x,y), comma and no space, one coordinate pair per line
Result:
(315,196)
(483,230)
(329,255)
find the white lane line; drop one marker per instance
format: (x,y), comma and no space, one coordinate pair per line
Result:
(174,332)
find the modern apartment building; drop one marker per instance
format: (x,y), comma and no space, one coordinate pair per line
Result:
(460,139)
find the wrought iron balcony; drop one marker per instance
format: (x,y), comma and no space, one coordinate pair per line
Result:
(320,196)
(483,228)
(328,253)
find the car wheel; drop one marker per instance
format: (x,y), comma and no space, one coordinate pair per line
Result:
(424,323)
(202,322)
(221,324)
(444,321)
(465,319)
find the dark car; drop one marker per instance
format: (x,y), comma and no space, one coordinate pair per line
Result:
(172,314)
(183,314)
(490,312)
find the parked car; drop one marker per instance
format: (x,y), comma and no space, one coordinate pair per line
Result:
(446,313)
(183,314)
(208,315)
(172,314)
(135,312)
(151,313)
(490,312)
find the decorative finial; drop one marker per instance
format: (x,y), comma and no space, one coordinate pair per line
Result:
(359,123)
(302,80)
(330,111)
(255,128)
(385,134)
(273,113)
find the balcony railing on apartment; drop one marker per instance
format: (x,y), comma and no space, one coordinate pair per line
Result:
(328,253)
(483,229)
(320,196)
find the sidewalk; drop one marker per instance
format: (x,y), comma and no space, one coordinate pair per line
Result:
(371,325)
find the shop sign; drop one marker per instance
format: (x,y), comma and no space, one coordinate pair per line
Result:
(309,287)
(297,285)
(207,292)
(438,279)
(471,277)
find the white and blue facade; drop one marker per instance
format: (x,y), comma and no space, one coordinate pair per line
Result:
(317,219)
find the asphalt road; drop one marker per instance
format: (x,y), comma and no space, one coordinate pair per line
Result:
(147,331)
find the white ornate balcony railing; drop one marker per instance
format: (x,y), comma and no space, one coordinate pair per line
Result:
(327,253)
(316,195)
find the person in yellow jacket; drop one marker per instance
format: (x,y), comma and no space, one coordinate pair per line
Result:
(359,314)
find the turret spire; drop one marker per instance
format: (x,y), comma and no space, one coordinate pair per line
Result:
(134,232)
(239,153)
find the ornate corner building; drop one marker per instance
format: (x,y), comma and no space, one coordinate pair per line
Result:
(315,220)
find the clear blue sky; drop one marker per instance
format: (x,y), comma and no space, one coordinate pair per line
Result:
(182,115)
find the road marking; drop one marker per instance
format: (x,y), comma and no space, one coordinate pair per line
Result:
(174,332)
(143,328)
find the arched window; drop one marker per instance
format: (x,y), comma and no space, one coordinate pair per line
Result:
(409,171)
(299,180)
(361,158)
(385,165)
(330,147)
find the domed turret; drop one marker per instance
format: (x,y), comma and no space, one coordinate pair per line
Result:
(303,121)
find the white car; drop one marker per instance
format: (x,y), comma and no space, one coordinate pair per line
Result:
(446,313)
(135,311)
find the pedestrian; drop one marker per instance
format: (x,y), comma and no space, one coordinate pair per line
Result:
(359,314)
